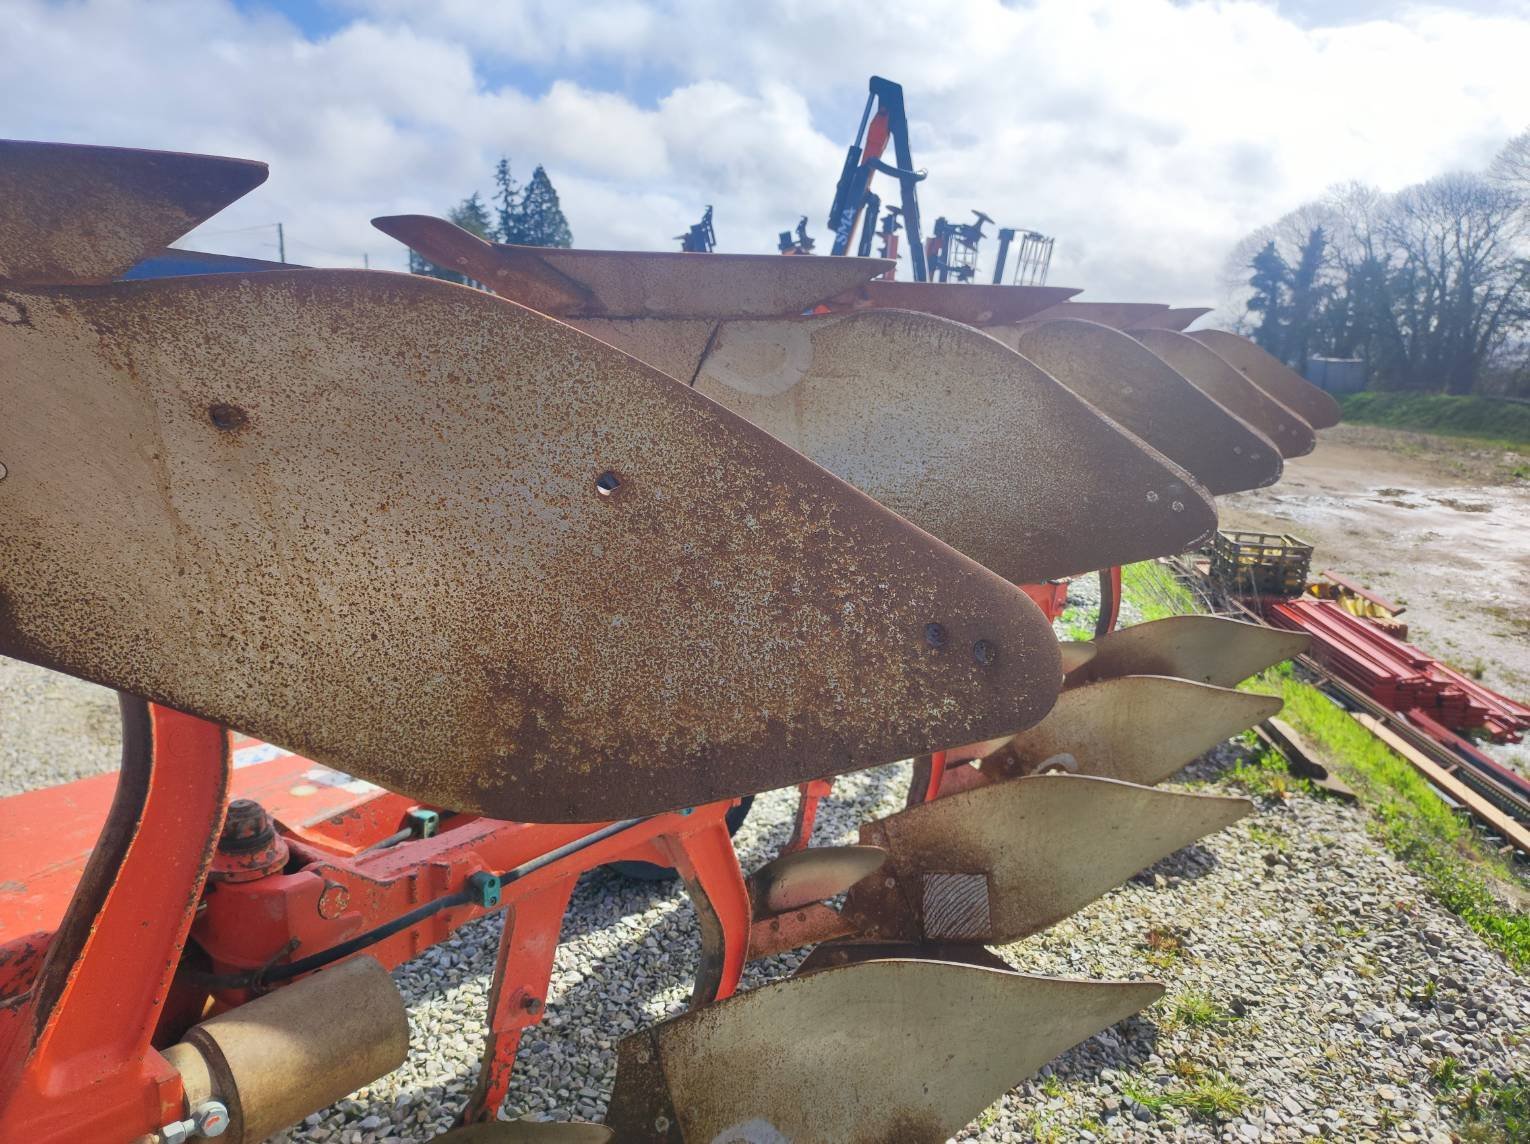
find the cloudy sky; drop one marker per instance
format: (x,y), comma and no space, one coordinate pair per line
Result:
(1146,135)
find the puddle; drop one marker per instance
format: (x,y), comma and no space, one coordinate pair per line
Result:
(1458,555)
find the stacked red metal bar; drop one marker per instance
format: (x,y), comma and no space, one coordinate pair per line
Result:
(1397,674)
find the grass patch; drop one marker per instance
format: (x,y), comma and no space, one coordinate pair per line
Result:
(1200,1011)
(1407,816)
(1164,948)
(1494,424)
(1489,1110)
(1264,773)
(1156,591)
(1210,1096)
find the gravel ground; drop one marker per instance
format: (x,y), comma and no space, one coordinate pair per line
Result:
(1307,971)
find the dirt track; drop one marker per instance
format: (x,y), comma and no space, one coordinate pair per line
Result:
(1426,522)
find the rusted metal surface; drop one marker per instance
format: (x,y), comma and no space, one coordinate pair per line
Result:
(1213,376)
(73,214)
(528,1132)
(439,541)
(1138,390)
(631,283)
(1275,377)
(1205,649)
(1034,849)
(1138,728)
(812,875)
(1173,319)
(970,304)
(960,435)
(889,1050)
(274,1060)
(673,346)
(1117,315)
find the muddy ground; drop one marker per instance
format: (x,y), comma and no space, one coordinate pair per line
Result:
(1430,522)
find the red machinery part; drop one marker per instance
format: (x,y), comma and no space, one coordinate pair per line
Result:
(90,991)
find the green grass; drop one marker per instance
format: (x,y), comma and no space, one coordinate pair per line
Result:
(1496,424)
(1209,1095)
(1489,1110)
(1155,591)
(1407,816)
(1200,1011)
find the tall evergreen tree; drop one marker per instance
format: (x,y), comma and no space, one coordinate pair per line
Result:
(541,218)
(1308,296)
(507,204)
(1271,274)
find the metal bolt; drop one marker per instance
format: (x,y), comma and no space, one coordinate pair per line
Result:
(246,827)
(208,1119)
(1152,497)
(532,1005)
(211,1118)
(984,652)
(225,416)
(935,635)
(661,1123)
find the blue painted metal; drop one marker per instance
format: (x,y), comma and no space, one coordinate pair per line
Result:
(173,263)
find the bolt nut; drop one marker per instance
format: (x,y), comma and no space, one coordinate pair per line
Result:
(210,1118)
(247,826)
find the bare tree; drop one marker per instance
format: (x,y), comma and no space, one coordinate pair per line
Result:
(1462,282)
(1427,285)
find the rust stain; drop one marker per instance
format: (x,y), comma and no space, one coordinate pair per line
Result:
(630,283)
(72,214)
(504,638)
(1138,390)
(962,436)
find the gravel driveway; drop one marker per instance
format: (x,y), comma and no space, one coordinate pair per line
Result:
(1309,975)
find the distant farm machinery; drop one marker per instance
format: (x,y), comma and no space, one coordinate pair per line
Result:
(517,604)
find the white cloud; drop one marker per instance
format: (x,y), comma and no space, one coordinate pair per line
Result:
(1148,136)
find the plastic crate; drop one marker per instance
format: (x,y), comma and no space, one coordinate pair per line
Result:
(1260,563)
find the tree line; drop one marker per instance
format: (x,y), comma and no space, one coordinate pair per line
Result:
(524,215)
(1429,286)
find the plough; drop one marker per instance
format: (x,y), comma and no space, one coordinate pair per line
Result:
(515,605)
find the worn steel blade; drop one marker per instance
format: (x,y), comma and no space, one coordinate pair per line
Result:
(1138,390)
(527,1132)
(1173,319)
(999,862)
(815,874)
(1204,649)
(895,1050)
(960,435)
(631,283)
(1076,653)
(429,537)
(852,951)
(1274,376)
(74,214)
(1117,315)
(970,304)
(1137,728)
(1212,375)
